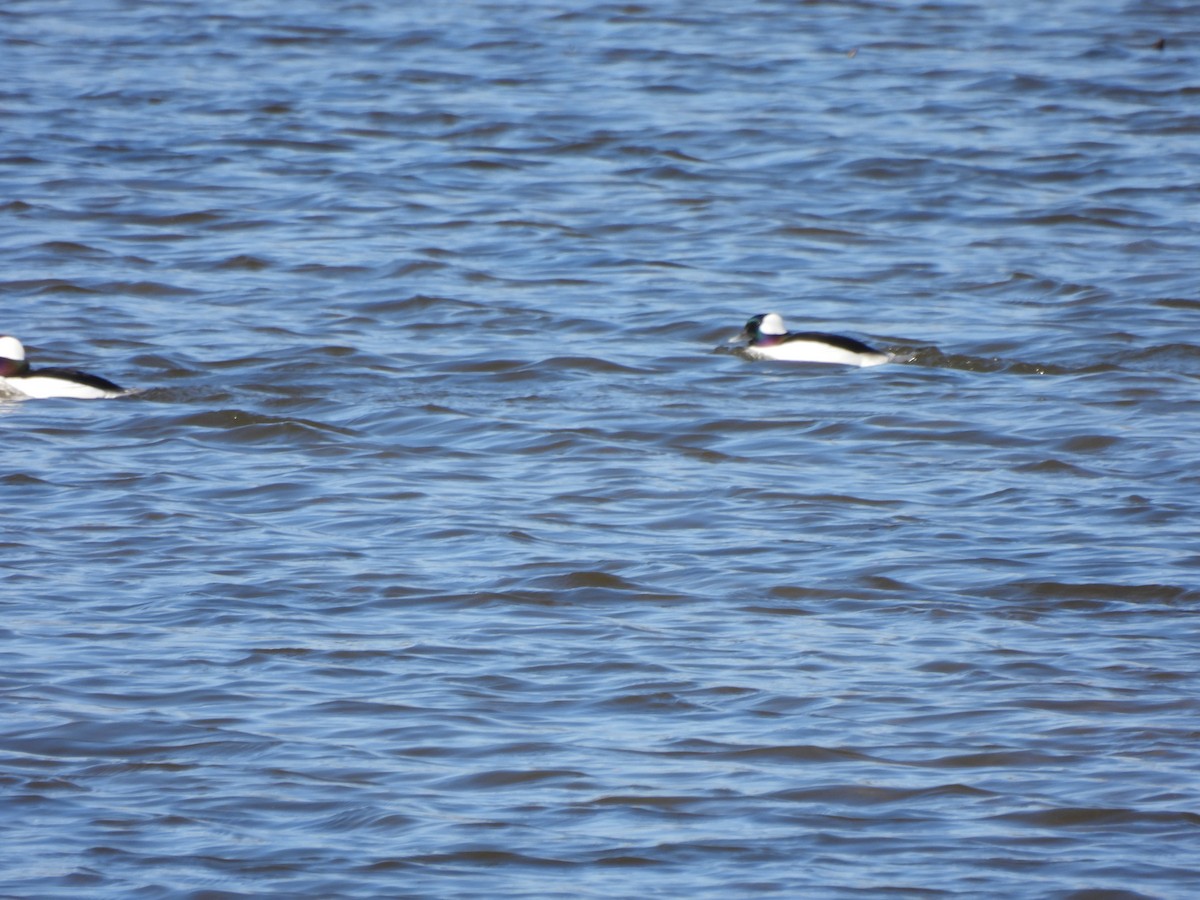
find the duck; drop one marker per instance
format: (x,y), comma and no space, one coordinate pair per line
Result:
(769,339)
(19,379)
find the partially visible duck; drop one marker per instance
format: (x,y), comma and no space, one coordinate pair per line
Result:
(19,379)
(770,339)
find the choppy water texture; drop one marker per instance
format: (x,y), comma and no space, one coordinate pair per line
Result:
(446,551)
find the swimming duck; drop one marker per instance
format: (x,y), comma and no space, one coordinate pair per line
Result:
(18,379)
(770,339)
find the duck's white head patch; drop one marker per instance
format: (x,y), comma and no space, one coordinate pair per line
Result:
(772,323)
(11,348)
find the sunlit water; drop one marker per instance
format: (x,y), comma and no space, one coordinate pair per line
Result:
(445,549)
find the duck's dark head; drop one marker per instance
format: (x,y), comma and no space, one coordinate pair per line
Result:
(12,357)
(763,327)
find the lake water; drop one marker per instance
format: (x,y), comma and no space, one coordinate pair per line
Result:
(446,550)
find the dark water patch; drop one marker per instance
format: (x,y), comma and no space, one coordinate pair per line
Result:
(825,235)
(244,427)
(333,272)
(71,248)
(47,286)
(416,268)
(504,779)
(245,262)
(1088,818)
(444,306)
(490,859)
(1057,467)
(1099,594)
(588,587)
(296,146)
(854,795)
(146,289)
(1089,443)
(798,754)
(1006,760)
(588,365)
(486,366)
(1178,303)
(1071,219)
(175,220)
(21,479)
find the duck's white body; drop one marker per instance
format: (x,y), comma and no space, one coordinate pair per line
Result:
(18,379)
(42,387)
(769,339)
